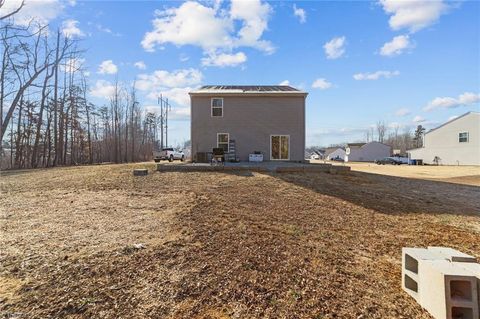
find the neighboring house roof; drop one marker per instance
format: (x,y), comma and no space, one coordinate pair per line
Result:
(248,89)
(360,145)
(452,120)
(330,150)
(355,144)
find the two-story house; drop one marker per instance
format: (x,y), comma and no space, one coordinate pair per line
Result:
(456,142)
(247,119)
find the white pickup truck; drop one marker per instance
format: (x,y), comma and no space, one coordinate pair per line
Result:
(169,154)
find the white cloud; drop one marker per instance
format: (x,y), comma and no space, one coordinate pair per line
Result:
(464,99)
(41,11)
(418,119)
(413,14)
(165,79)
(70,29)
(335,48)
(140,65)
(397,46)
(300,13)
(254,15)
(376,75)
(107,67)
(321,84)
(178,113)
(102,89)
(284,82)
(224,59)
(402,112)
(173,85)
(217,33)
(184,57)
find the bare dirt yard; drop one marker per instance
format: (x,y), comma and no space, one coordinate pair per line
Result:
(97,242)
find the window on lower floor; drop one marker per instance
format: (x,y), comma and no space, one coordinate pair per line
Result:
(463,137)
(222,141)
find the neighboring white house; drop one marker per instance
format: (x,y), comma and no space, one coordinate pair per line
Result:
(367,152)
(338,153)
(456,142)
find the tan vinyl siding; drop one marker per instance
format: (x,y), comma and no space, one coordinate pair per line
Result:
(250,121)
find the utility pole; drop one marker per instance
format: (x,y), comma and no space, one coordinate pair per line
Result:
(160,101)
(166,122)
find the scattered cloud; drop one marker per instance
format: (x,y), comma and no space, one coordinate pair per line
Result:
(402,112)
(102,89)
(178,113)
(107,67)
(220,32)
(184,57)
(418,119)
(321,84)
(335,48)
(162,78)
(300,14)
(397,46)
(413,14)
(101,28)
(70,29)
(376,75)
(41,11)
(140,65)
(173,85)
(464,99)
(284,82)
(224,59)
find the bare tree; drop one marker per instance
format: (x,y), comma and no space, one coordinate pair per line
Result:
(381,131)
(15,11)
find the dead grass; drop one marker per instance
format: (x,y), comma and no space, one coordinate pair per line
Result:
(467,175)
(219,245)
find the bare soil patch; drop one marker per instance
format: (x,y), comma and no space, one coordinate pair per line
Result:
(220,245)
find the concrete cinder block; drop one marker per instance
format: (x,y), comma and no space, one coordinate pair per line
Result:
(411,259)
(140,172)
(474,268)
(452,254)
(447,289)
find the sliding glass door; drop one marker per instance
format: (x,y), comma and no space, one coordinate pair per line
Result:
(279,147)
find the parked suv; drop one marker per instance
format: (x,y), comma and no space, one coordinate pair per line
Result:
(169,154)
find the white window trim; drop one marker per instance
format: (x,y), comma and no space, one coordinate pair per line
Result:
(279,159)
(468,137)
(212,107)
(228,140)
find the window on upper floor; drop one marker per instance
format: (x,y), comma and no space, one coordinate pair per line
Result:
(463,137)
(217,107)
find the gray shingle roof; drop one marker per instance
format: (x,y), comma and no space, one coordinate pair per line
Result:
(250,88)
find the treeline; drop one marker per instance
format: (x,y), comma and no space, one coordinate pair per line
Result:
(46,117)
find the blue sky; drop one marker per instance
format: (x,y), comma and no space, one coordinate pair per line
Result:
(405,63)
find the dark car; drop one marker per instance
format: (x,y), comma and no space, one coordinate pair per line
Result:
(387,160)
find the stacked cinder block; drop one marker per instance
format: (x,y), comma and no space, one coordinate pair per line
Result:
(444,281)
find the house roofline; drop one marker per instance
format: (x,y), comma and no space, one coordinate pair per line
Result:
(241,93)
(452,120)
